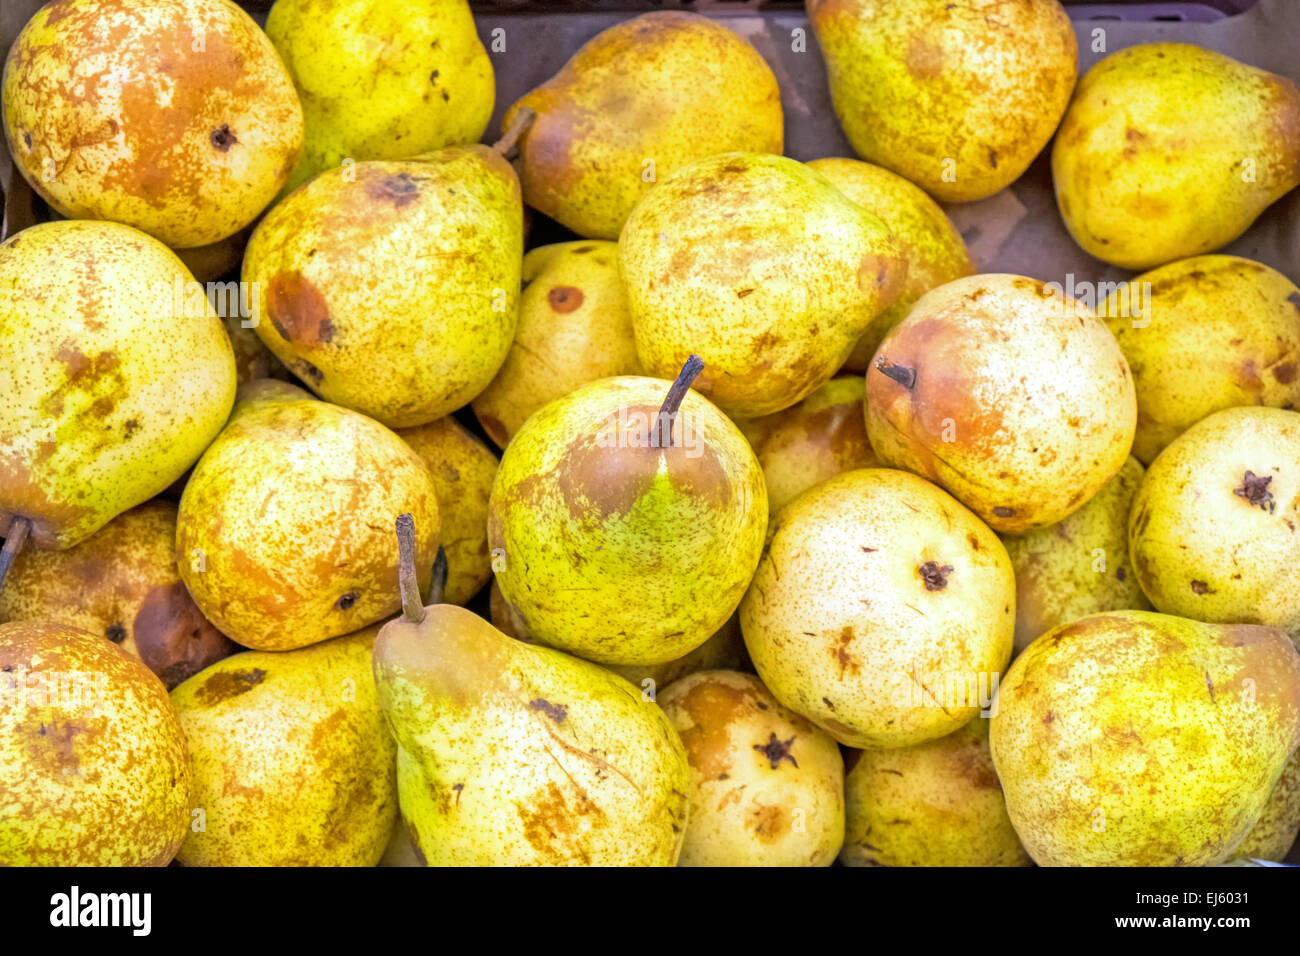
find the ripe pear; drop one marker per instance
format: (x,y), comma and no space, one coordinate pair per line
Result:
(1080,565)
(624,525)
(882,609)
(821,437)
(1212,332)
(959,96)
(936,803)
(637,102)
(382,80)
(515,755)
(762,267)
(283,533)
(107,393)
(173,116)
(1275,833)
(444,232)
(1170,150)
(933,247)
(574,327)
(1007,393)
(462,468)
(293,765)
(766,786)
(122,584)
(1139,739)
(1213,531)
(96,772)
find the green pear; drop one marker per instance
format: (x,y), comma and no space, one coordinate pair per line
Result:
(516,755)
(762,267)
(293,765)
(445,232)
(936,803)
(637,102)
(108,391)
(96,772)
(1006,392)
(1211,332)
(1170,150)
(173,116)
(1273,836)
(882,610)
(959,96)
(1141,739)
(382,79)
(625,526)
(282,537)
(1213,533)
(1080,565)
(574,327)
(766,785)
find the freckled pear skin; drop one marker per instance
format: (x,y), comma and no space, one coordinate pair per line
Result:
(392,288)
(1170,150)
(1142,739)
(618,551)
(103,785)
(517,755)
(959,96)
(1275,833)
(1217,332)
(283,537)
(107,398)
(764,269)
(174,116)
(1006,393)
(636,103)
(1213,531)
(293,765)
(878,603)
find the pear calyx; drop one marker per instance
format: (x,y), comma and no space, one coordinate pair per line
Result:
(15,536)
(515,131)
(662,437)
(1253,487)
(412,606)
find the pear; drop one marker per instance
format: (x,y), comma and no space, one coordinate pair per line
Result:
(936,803)
(251,395)
(1007,393)
(462,468)
(1170,150)
(173,116)
(638,101)
(882,610)
(1141,739)
(1210,332)
(933,247)
(1212,533)
(766,786)
(382,80)
(293,765)
(282,537)
(959,96)
(1080,565)
(106,398)
(624,525)
(122,584)
(574,327)
(446,234)
(761,266)
(513,754)
(1275,833)
(96,772)
(821,437)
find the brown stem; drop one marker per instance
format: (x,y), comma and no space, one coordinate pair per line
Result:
(524,118)
(412,606)
(438,583)
(901,374)
(15,537)
(663,432)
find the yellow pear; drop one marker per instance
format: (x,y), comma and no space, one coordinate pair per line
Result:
(1273,836)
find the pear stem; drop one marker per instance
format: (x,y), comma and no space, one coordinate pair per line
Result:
(524,119)
(15,537)
(663,432)
(412,606)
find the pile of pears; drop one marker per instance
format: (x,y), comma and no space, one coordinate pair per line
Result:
(751,524)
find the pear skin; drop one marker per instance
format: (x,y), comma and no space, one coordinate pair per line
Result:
(1171,150)
(1140,739)
(97,776)
(637,102)
(1273,836)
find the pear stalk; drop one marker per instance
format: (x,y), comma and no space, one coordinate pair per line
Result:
(412,606)
(663,432)
(15,537)
(523,120)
